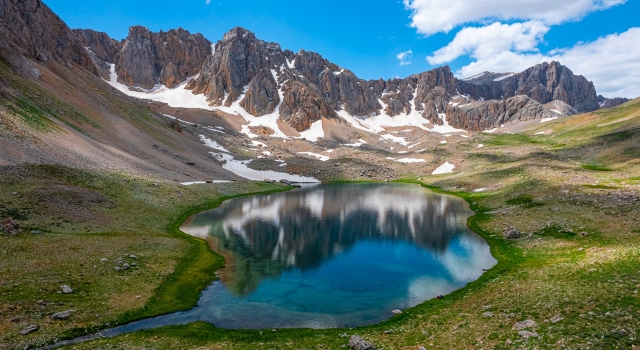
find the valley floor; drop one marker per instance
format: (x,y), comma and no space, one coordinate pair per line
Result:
(574,193)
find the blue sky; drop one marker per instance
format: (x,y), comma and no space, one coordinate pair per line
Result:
(469,36)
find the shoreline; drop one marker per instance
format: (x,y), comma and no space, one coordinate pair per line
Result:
(175,229)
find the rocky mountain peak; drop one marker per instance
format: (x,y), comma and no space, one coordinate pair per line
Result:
(238,33)
(166,58)
(30,30)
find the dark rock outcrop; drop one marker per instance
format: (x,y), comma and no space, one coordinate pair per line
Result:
(10,227)
(611,102)
(490,114)
(100,43)
(102,48)
(167,58)
(238,58)
(262,95)
(303,104)
(543,83)
(30,30)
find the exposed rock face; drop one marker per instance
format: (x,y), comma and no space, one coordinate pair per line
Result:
(167,58)
(487,77)
(262,96)
(543,83)
(562,107)
(101,47)
(303,104)
(30,30)
(99,43)
(611,102)
(493,113)
(238,58)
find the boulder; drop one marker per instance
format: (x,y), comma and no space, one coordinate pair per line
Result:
(61,315)
(10,226)
(524,324)
(527,334)
(511,233)
(29,329)
(357,343)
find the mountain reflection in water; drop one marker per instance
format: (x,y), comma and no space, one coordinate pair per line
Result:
(262,236)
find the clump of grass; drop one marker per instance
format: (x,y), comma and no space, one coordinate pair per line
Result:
(604,187)
(596,167)
(555,231)
(509,140)
(30,114)
(13,213)
(522,199)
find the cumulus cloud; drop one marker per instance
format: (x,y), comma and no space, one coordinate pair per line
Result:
(208,2)
(485,42)
(612,62)
(433,16)
(405,57)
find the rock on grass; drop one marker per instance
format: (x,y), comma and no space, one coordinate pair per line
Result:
(357,343)
(29,329)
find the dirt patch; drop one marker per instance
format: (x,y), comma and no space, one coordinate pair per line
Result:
(69,202)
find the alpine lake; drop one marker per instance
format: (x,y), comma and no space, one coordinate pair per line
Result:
(327,256)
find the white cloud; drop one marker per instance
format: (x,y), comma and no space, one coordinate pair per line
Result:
(612,62)
(405,57)
(433,16)
(485,42)
(208,2)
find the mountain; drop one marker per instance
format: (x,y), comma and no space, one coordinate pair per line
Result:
(487,77)
(30,30)
(611,102)
(302,88)
(283,92)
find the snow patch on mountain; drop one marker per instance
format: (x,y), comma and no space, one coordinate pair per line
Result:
(444,169)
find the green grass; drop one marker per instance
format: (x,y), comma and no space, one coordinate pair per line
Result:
(603,187)
(596,167)
(30,114)
(509,139)
(523,199)
(173,267)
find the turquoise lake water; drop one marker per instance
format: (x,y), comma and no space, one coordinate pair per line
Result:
(331,256)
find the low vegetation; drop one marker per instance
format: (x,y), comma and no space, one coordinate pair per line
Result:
(574,272)
(92,223)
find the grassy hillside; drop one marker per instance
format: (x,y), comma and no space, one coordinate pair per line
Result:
(90,221)
(573,192)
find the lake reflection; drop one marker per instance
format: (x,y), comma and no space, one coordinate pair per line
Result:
(333,255)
